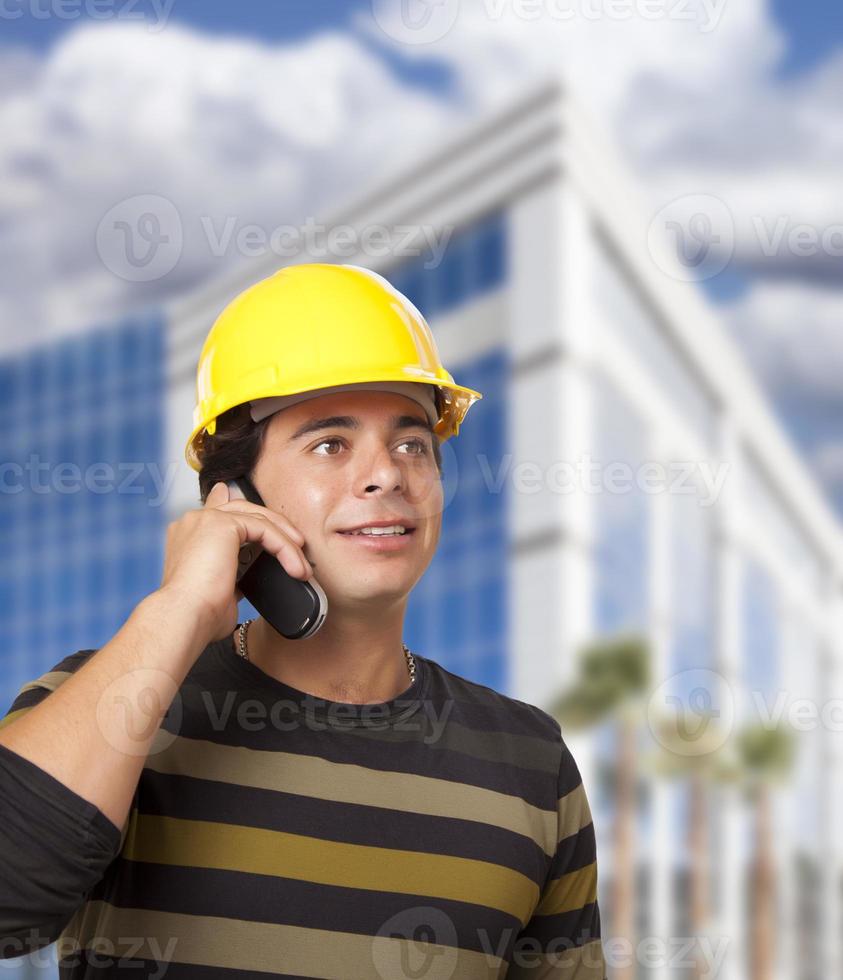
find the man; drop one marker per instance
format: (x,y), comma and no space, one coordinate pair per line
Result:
(206,799)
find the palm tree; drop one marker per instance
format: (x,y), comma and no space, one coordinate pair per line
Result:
(766,757)
(614,675)
(701,761)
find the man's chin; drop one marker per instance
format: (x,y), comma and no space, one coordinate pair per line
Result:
(372,595)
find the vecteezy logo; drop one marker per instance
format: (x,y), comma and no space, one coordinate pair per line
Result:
(692,713)
(138,706)
(693,237)
(140,239)
(418,942)
(415,21)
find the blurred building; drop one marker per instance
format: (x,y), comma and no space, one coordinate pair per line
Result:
(594,365)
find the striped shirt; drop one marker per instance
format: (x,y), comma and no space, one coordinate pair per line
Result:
(444,833)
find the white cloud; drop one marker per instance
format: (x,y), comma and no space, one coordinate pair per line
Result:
(220,127)
(791,332)
(269,134)
(693,111)
(601,55)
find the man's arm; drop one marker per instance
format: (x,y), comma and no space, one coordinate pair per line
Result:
(94,732)
(66,776)
(55,847)
(88,738)
(561,941)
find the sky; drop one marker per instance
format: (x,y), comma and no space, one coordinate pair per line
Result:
(277,109)
(814,30)
(814,27)
(288,21)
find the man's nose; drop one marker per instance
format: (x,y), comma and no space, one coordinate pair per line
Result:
(380,470)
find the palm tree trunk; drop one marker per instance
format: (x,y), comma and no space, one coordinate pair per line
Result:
(698,884)
(762,930)
(623,885)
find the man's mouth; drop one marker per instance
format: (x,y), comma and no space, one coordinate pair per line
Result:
(379,532)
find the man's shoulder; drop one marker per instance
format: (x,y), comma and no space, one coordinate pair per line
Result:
(483,701)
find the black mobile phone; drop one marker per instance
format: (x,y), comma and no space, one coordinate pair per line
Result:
(294,608)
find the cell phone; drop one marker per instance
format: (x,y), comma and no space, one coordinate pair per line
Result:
(294,608)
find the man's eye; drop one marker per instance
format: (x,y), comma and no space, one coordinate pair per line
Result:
(420,443)
(327,442)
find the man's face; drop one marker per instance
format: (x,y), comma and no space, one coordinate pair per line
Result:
(375,466)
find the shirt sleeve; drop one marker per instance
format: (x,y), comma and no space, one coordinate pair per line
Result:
(54,845)
(561,940)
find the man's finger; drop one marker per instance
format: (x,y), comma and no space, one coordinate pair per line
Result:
(216,496)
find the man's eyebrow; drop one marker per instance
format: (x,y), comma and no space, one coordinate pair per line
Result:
(399,422)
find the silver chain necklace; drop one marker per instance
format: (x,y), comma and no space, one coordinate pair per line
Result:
(244,653)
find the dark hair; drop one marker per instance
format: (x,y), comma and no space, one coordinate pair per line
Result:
(232,451)
(234,448)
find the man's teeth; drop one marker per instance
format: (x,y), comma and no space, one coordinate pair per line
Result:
(395,529)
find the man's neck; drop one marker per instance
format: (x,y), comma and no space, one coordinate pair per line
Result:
(353,663)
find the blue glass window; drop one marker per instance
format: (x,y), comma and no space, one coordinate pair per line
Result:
(86,558)
(457,612)
(621,520)
(760,632)
(473,262)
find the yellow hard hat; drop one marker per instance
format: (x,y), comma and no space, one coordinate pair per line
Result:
(315,326)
